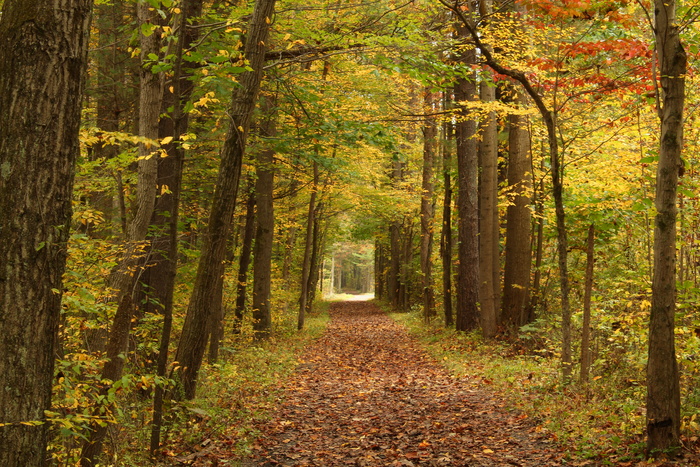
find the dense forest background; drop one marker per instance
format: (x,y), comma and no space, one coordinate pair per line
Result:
(489,167)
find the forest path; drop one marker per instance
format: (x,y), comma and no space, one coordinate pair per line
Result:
(366,395)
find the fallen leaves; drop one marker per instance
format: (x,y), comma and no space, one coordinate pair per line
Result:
(365,395)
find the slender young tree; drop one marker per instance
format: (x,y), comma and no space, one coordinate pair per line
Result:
(244,258)
(588,289)
(42,67)
(193,340)
(308,249)
(663,384)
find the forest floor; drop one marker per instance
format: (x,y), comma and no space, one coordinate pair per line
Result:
(366,395)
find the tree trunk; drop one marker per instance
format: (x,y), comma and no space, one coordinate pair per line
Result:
(467,204)
(663,386)
(124,279)
(244,259)
(588,289)
(42,66)
(163,273)
(308,247)
(427,213)
(489,272)
(318,242)
(264,234)
(112,103)
(557,171)
(193,343)
(446,236)
(518,254)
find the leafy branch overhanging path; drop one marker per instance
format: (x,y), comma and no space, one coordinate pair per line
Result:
(366,396)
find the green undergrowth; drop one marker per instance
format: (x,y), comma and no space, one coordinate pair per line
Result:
(602,422)
(233,395)
(243,389)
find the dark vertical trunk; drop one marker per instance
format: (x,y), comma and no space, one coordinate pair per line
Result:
(489,226)
(427,212)
(588,289)
(316,257)
(168,205)
(244,259)
(663,385)
(111,102)
(123,280)
(42,66)
(394,271)
(518,254)
(467,204)
(446,236)
(308,247)
(262,253)
(193,340)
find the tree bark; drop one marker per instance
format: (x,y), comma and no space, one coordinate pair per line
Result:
(557,171)
(446,236)
(42,67)
(427,211)
(588,289)
(264,233)
(308,247)
(467,203)
(489,227)
(193,343)
(244,259)
(518,251)
(161,276)
(124,279)
(663,385)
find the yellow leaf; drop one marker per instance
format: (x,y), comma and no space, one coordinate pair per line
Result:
(166,140)
(488,451)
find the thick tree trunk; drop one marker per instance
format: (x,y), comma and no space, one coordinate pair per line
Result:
(663,386)
(308,247)
(427,211)
(42,66)
(467,205)
(193,342)
(264,233)
(489,266)
(518,254)
(262,256)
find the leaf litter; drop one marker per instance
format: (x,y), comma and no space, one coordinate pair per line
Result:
(366,395)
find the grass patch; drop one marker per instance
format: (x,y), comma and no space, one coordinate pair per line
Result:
(239,392)
(603,422)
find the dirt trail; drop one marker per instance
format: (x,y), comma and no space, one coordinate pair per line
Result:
(365,396)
